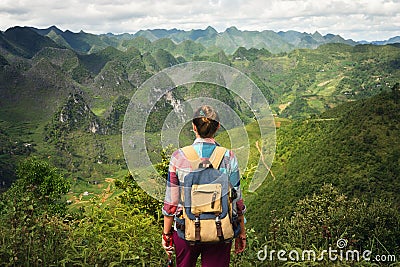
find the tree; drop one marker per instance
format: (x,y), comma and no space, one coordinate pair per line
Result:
(31,229)
(43,184)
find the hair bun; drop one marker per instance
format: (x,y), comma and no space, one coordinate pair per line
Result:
(205,119)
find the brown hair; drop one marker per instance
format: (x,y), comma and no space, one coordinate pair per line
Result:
(206,121)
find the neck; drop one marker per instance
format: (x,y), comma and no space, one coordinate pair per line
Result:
(198,136)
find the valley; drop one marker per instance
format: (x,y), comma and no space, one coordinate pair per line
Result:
(63,98)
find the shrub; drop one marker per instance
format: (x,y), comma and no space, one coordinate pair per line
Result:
(31,230)
(319,221)
(114,236)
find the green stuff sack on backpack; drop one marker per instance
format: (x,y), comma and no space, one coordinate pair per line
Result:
(208,199)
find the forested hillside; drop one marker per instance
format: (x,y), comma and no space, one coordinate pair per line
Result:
(67,197)
(354,147)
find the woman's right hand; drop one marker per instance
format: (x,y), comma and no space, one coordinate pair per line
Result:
(240,243)
(168,243)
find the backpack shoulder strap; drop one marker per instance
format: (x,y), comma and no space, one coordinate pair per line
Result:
(217,156)
(192,156)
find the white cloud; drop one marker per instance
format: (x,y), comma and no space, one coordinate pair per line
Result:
(356,19)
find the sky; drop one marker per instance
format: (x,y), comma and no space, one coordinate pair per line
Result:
(369,20)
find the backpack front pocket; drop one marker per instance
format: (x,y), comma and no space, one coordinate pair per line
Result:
(206,198)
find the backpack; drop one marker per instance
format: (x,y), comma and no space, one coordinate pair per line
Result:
(208,198)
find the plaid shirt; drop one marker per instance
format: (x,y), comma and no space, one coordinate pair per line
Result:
(179,167)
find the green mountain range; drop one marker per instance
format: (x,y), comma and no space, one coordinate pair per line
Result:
(65,93)
(228,41)
(232,38)
(63,97)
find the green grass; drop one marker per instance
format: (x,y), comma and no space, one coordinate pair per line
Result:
(99,111)
(316,104)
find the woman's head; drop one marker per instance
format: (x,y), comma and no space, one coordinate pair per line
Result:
(206,121)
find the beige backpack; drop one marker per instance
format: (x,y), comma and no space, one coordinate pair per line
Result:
(207,197)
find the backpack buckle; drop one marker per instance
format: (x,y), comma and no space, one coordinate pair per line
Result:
(197,227)
(219,228)
(206,164)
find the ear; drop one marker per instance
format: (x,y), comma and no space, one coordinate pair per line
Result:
(194,128)
(219,125)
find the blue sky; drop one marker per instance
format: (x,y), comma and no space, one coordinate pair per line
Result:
(352,19)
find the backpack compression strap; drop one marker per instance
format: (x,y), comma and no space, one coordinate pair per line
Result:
(193,157)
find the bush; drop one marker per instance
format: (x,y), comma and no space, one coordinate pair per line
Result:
(31,232)
(319,221)
(114,236)
(137,199)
